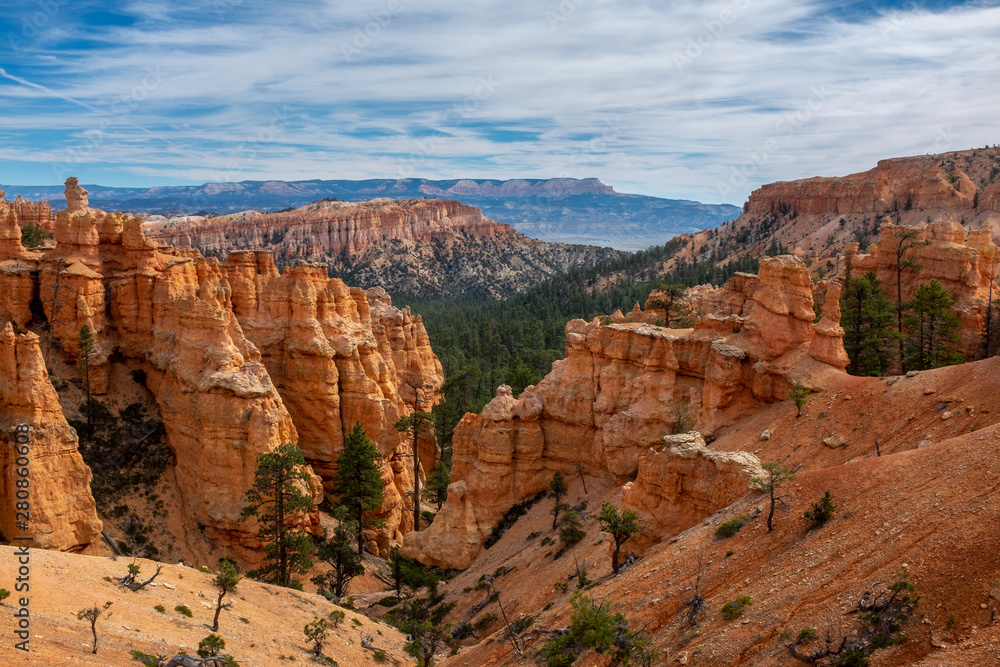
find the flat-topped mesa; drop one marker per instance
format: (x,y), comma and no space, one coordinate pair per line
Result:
(63,513)
(328,228)
(624,384)
(938,182)
(816,218)
(964,262)
(338,356)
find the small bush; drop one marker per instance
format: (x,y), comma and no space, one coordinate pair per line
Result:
(355,621)
(730,528)
(145,658)
(389,601)
(379,657)
(735,608)
(160,608)
(202,568)
(4,594)
(821,511)
(183,609)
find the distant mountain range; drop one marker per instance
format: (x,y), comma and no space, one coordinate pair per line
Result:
(567,210)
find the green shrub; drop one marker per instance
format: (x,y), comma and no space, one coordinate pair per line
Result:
(735,608)
(160,608)
(183,609)
(821,511)
(4,594)
(733,526)
(145,658)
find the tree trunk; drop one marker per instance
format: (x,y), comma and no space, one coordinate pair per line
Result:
(614,557)
(279,531)
(770,514)
(218,610)
(93,630)
(416,461)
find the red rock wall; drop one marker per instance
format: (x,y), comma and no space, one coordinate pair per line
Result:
(326,229)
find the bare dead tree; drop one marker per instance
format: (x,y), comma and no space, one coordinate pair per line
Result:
(829,648)
(510,632)
(579,470)
(695,605)
(129,580)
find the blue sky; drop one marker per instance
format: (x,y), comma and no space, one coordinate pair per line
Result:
(704,100)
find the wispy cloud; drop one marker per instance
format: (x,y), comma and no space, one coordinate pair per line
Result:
(378,88)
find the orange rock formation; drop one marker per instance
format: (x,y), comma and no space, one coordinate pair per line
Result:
(337,355)
(62,514)
(965,263)
(623,385)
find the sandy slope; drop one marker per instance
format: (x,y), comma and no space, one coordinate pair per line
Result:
(62,584)
(931,511)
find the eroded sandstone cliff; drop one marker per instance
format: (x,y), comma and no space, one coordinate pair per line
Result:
(625,383)
(60,512)
(309,358)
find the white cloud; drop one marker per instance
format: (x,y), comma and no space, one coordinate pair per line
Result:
(685,95)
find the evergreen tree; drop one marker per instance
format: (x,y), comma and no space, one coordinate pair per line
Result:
(902,241)
(866,317)
(775,476)
(358,483)
(557,489)
(931,329)
(437,485)
(226,581)
(338,552)
(87,347)
(621,526)
(670,302)
(416,423)
(279,492)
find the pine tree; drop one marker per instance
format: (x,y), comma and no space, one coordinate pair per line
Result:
(226,581)
(775,476)
(670,302)
(931,329)
(358,483)
(866,317)
(87,348)
(621,526)
(904,240)
(557,489)
(416,423)
(275,498)
(437,485)
(340,555)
